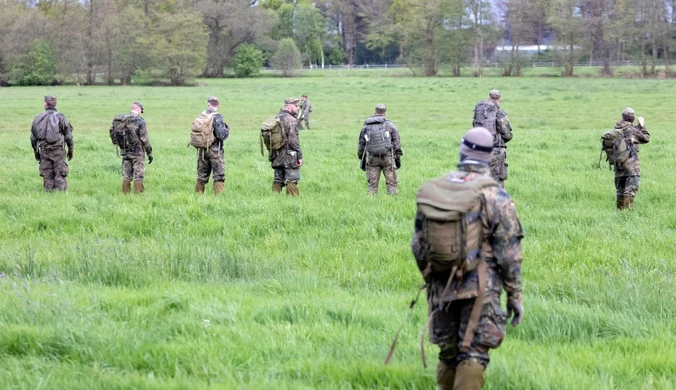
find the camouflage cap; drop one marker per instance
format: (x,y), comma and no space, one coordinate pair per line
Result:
(494,94)
(304,95)
(477,144)
(137,103)
(51,99)
(380,107)
(291,101)
(628,111)
(213,100)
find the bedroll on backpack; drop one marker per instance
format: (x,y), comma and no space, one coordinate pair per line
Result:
(452,228)
(615,147)
(123,132)
(47,127)
(271,135)
(201,131)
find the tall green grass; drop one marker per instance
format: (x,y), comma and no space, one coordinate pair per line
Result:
(257,291)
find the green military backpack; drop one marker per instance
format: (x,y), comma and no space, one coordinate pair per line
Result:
(452,231)
(615,147)
(123,133)
(271,135)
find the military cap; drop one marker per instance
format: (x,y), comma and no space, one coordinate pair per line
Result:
(137,103)
(380,107)
(628,111)
(291,101)
(304,95)
(51,99)
(213,100)
(494,94)
(477,144)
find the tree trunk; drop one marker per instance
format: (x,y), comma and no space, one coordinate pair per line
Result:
(430,60)
(90,43)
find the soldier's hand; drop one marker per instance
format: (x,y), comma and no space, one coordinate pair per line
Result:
(37,156)
(300,162)
(515,306)
(150,159)
(397,162)
(641,121)
(69,155)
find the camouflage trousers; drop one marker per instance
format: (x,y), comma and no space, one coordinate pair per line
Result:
(208,162)
(385,164)
(286,175)
(499,166)
(449,324)
(133,168)
(306,118)
(627,185)
(54,169)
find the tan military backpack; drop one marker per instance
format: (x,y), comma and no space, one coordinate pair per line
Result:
(201,131)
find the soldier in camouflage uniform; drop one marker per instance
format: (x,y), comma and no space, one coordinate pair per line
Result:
(52,155)
(305,110)
(501,250)
(133,155)
(212,160)
(380,149)
(287,161)
(488,114)
(628,174)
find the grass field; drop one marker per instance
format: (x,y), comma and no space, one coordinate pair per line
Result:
(255,291)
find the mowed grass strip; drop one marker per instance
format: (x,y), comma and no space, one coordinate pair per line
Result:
(251,290)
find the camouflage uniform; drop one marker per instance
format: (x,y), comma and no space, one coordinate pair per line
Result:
(133,156)
(628,174)
(212,160)
(501,249)
(385,163)
(285,161)
(502,135)
(305,110)
(52,157)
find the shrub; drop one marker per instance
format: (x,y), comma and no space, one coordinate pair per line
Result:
(287,57)
(248,61)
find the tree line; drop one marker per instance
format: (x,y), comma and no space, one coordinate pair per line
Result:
(142,41)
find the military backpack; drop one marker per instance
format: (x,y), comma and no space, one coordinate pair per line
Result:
(123,133)
(615,146)
(271,135)
(46,127)
(201,131)
(485,114)
(452,231)
(378,137)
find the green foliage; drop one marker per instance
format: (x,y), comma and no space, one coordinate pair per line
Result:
(169,290)
(287,57)
(177,46)
(248,61)
(38,67)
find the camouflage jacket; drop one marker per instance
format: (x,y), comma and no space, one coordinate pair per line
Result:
(287,156)
(503,128)
(396,140)
(633,136)
(501,247)
(305,108)
(221,132)
(143,145)
(65,129)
